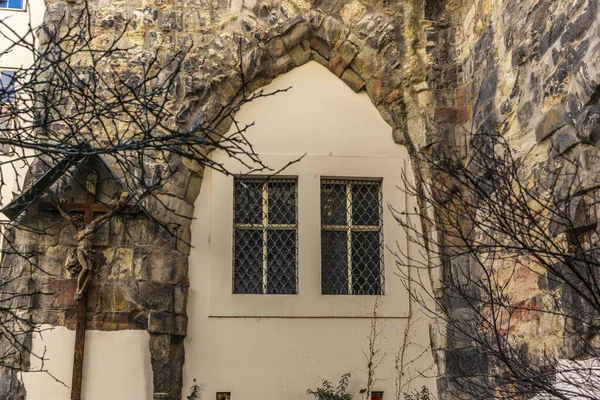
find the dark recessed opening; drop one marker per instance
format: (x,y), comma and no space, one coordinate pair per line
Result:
(223,395)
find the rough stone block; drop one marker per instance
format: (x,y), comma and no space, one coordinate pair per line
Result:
(555,83)
(588,125)
(139,262)
(466,362)
(300,54)
(321,60)
(375,88)
(64,292)
(551,122)
(160,347)
(110,296)
(28,232)
(114,263)
(252,64)
(461,270)
(563,140)
(577,27)
(282,65)
(166,266)
(365,63)
(180,328)
(346,53)
(487,90)
(170,209)
(170,20)
(184,240)
(275,47)
(161,373)
(398,135)
(320,47)
(352,79)
(166,396)
(295,35)
(54,260)
(176,182)
(151,296)
(180,299)
(333,32)
(160,322)
(445,115)
(193,188)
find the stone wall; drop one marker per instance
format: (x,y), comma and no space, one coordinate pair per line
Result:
(132,287)
(373,47)
(437,71)
(528,70)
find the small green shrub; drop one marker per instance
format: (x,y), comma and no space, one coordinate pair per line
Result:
(328,392)
(418,395)
(194,394)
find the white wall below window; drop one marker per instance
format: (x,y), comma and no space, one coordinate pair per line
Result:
(116,365)
(270,347)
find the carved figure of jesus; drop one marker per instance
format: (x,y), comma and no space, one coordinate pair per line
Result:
(84,237)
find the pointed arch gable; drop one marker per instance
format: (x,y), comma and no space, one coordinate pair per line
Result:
(264,340)
(324,39)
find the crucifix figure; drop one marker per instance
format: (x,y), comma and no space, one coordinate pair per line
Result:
(84,236)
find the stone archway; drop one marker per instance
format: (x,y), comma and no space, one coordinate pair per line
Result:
(314,36)
(159,296)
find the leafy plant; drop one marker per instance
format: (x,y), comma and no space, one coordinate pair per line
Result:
(328,392)
(423,394)
(194,394)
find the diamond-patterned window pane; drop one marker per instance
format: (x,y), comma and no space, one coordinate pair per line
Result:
(333,203)
(281,262)
(334,262)
(365,204)
(248,261)
(351,248)
(265,238)
(247,202)
(282,202)
(366,263)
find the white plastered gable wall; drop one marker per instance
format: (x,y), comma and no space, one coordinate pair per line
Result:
(277,346)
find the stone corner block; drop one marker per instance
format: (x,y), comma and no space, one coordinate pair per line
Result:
(167,323)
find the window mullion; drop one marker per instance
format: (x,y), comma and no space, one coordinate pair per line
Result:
(349,230)
(381,262)
(265,217)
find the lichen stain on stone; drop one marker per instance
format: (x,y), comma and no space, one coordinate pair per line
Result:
(352,12)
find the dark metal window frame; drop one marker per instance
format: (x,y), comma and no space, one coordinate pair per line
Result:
(350,228)
(265,226)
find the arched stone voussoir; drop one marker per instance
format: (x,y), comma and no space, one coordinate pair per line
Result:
(318,37)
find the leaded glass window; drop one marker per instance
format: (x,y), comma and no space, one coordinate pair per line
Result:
(351,237)
(265,249)
(12,4)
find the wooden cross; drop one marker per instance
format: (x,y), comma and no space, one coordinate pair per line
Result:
(89,208)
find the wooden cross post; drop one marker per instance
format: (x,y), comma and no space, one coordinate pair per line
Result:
(89,208)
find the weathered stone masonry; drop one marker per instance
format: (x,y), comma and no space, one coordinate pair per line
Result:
(437,71)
